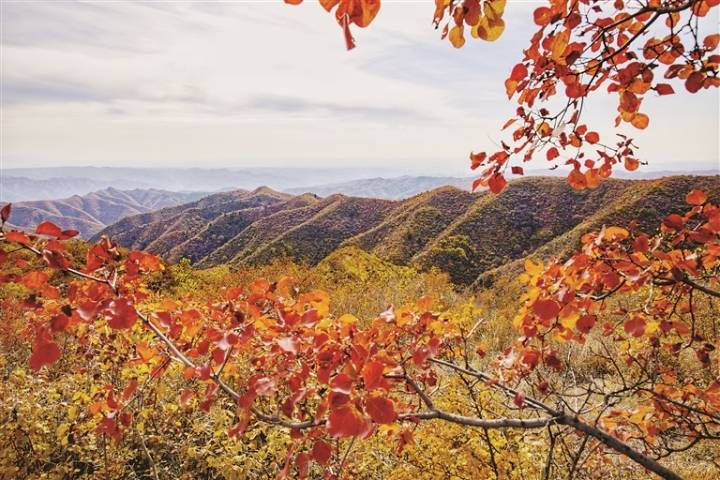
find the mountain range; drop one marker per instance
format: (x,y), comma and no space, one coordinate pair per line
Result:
(92,212)
(26,184)
(465,234)
(22,184)
(394,188)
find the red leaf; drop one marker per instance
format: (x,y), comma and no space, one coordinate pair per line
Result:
(17,237)
(552,154)
(44,353)
(34,280)
(664,89)
(59,323)
(342,384)
(517,170)
(130,389)
(380,409)
(477,159)
(65,234)
(5,212)
(478,182)
(497,183)
(346,422)
(586,323)
(531,358)
(542,16)
(546,309)
(519,72)
(373,375)
(696,197)
(592,137)
(519,399)
(635,326)
(577,180)
(120,314)
(321,452)
(674,221)
(49,229)
(694,82)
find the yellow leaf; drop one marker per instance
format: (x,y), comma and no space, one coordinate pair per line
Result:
(489,29)
(616,233)
(348,319)
(533,268)
(456,36)
(495,9)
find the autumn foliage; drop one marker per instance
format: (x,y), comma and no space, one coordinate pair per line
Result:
(631,50)
(283,359)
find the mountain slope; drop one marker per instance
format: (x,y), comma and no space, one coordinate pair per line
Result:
(92,212)
(646,204)
(467,235)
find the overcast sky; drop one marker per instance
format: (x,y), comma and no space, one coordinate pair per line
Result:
(260,83)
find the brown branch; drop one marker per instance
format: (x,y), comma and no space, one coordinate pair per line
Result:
(561,418)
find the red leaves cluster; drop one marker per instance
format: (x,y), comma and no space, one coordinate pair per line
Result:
(566,297)
(580,48)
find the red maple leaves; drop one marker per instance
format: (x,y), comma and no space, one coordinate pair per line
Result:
(579,48)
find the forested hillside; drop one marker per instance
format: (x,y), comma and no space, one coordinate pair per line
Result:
(461,233)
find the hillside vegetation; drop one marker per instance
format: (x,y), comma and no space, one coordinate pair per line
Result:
(469,236)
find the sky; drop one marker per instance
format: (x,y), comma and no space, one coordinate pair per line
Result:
(259,83)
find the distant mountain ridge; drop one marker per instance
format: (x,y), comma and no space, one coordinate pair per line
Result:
(23,184)
(468,235)
(26,184)
(396,188)
(393,188)
(92,212)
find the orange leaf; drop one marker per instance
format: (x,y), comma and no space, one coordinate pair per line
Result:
(696,197)
(497,183)
(456,36)
(519,72)
(542,16)
(373,375)
(640,120)
(552,153)
(17,237)
(577,180)
(631,164)
(48,228)
(592,137)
